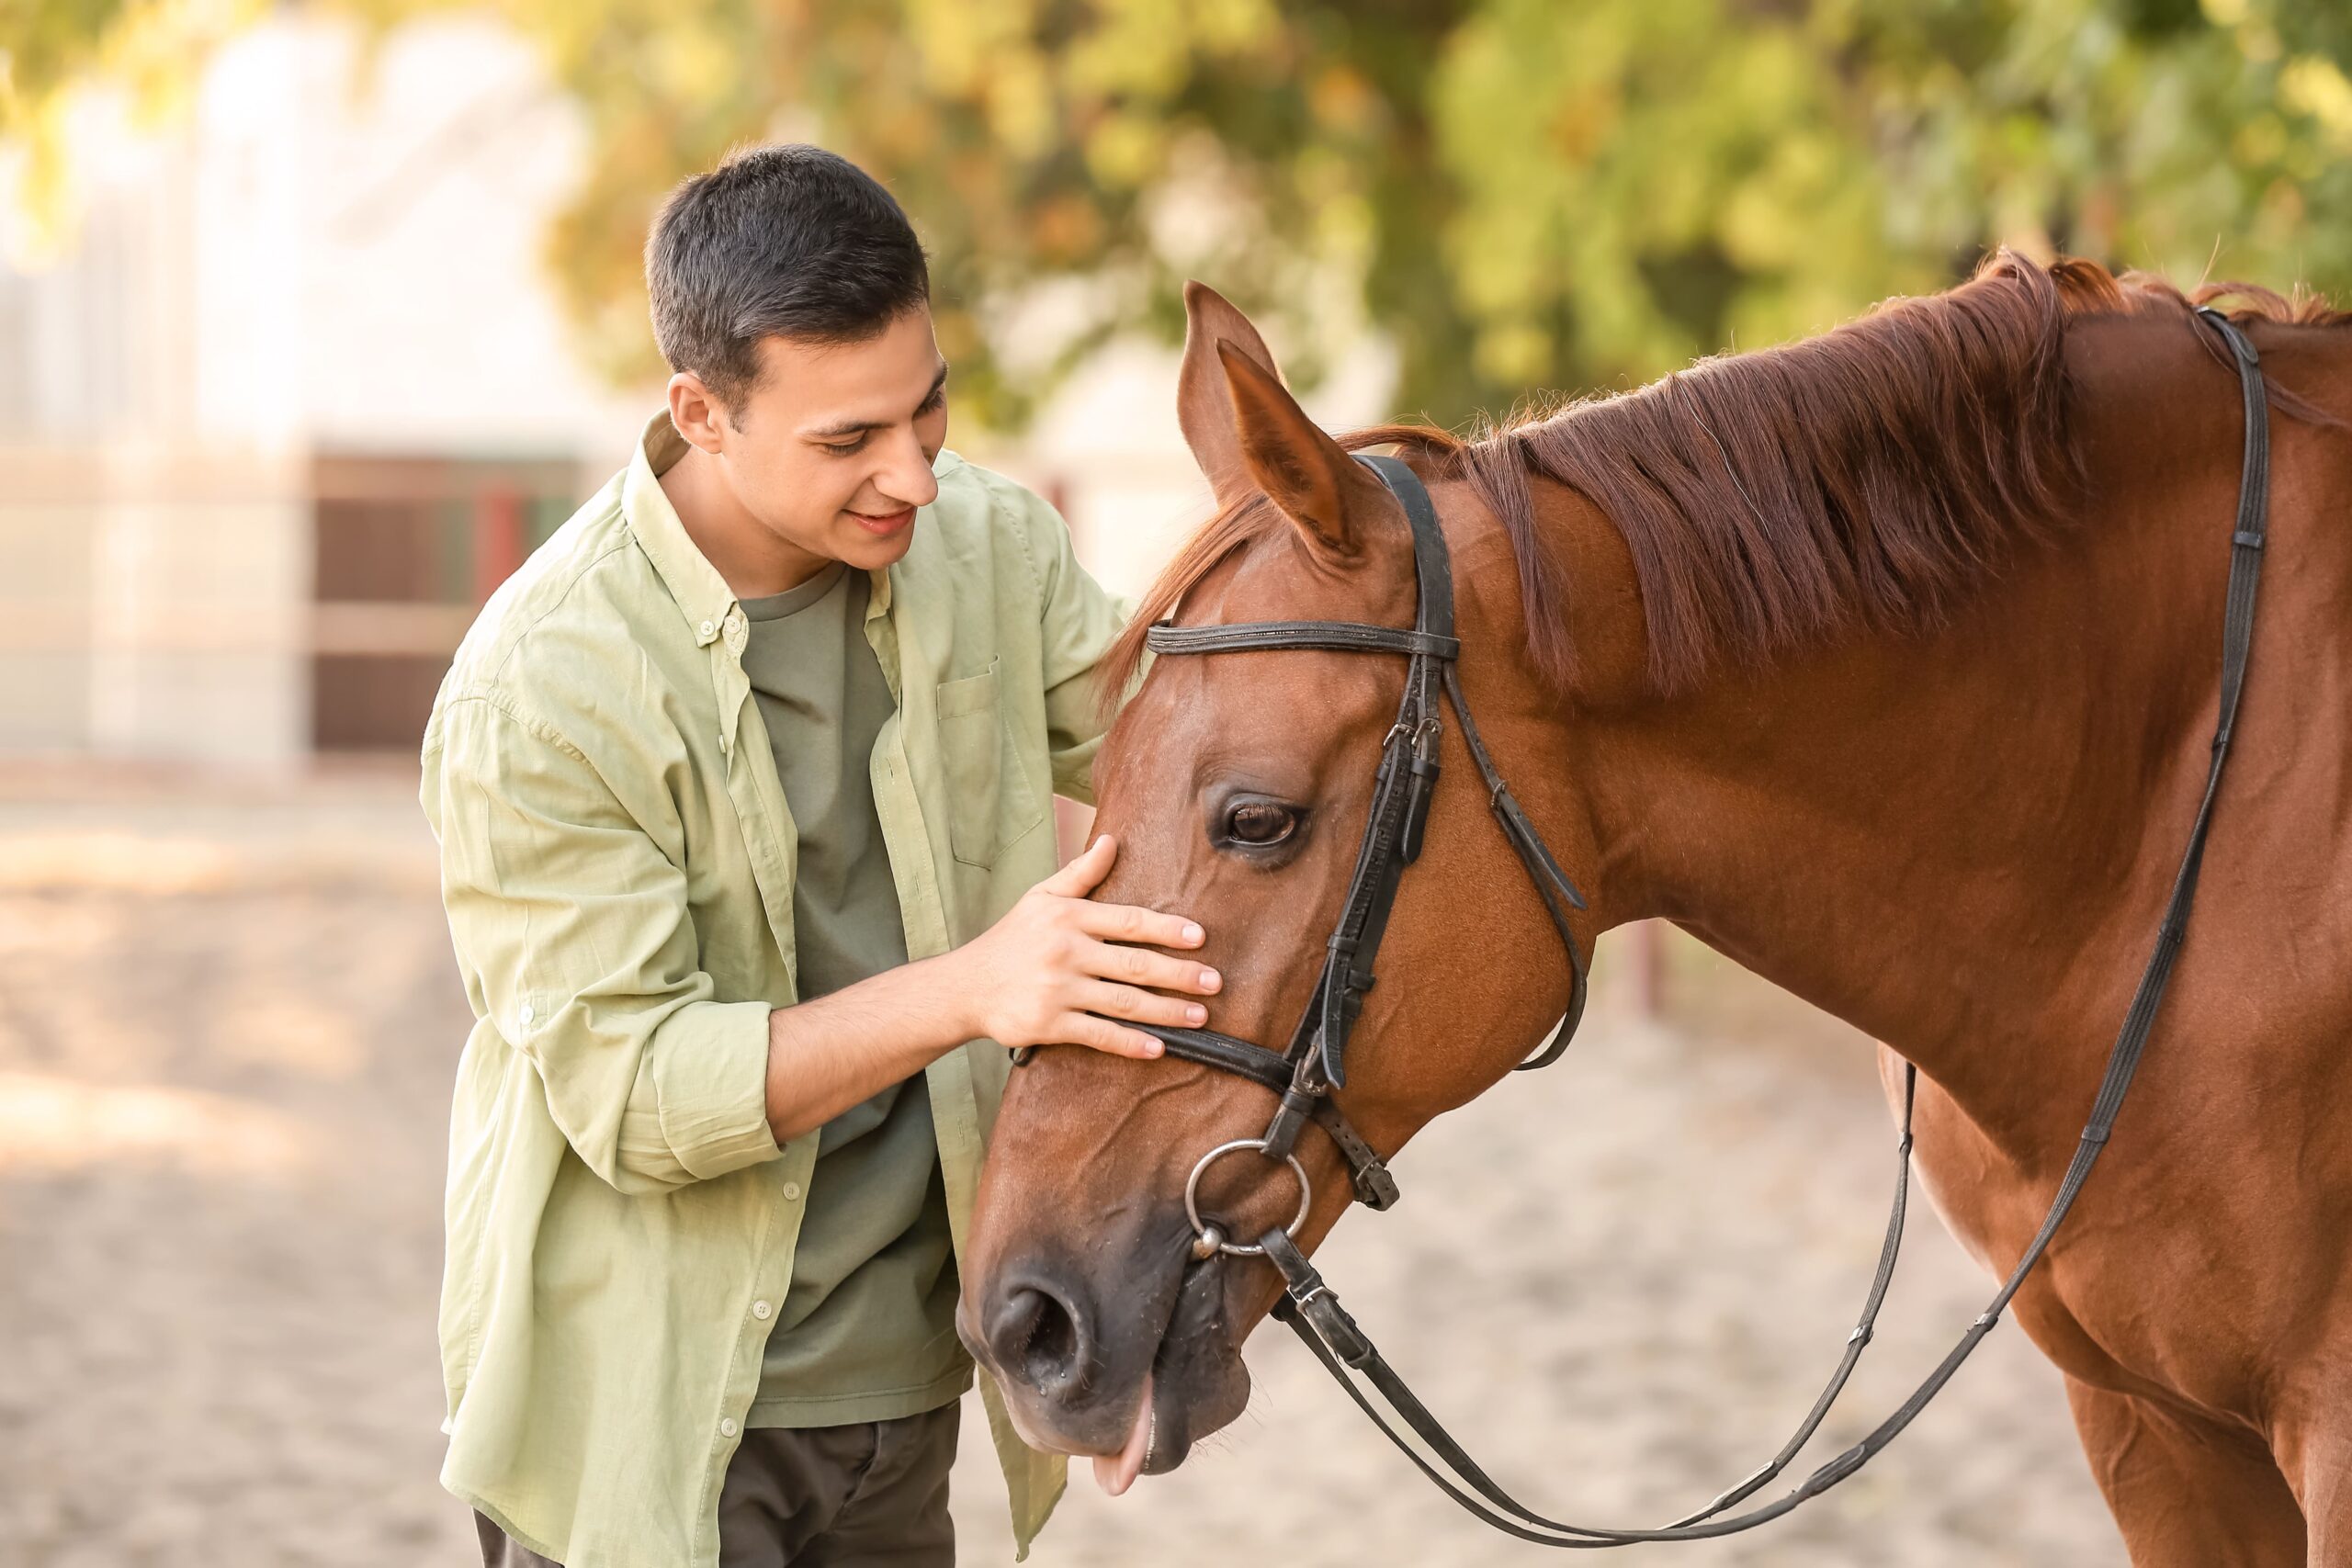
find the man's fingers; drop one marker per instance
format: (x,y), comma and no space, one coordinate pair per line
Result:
(1132,1006)
(1101,1034)
(1085,870)
(1130,922)
(1141,967)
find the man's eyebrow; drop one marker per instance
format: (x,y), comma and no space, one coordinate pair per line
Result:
(850,427)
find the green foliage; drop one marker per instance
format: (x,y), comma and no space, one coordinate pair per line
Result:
(1519,193)
(1683,174)
(47,47)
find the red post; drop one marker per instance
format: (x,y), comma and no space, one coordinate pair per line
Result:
(498,538)
(1649,941)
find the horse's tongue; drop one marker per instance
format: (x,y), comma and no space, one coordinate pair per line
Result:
(1116,1472)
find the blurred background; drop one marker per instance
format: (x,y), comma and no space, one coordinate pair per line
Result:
(316,317)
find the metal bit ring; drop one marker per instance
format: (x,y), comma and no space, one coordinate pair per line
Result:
(1205,1233)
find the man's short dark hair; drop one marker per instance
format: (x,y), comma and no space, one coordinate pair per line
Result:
(776,241)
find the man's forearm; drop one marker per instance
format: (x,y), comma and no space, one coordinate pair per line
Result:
(1057,969)
(831,1053)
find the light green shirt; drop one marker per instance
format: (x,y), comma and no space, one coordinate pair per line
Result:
(618,864)
(868,1332)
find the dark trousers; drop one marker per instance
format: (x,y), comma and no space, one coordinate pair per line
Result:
(808,1496)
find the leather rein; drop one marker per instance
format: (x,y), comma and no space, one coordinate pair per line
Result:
(1304,1074)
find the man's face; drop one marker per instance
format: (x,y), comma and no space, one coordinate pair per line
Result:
(831,452)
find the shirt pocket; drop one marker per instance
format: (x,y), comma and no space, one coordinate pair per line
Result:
(990,801)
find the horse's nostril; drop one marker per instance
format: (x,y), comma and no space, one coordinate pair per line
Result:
(1037,1337)
(1052,1352)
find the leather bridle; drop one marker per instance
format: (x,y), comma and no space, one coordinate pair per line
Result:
(1314,1062)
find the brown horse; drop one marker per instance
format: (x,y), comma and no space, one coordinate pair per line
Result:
(1886,664)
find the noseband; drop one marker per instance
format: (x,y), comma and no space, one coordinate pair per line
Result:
(1315,1063)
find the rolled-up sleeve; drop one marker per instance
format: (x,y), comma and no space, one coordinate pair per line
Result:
(572,931)
(1080,619)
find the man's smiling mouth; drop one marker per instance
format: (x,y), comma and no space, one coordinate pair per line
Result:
(886,522)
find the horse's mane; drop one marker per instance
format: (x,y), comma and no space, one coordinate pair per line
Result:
(1874,475)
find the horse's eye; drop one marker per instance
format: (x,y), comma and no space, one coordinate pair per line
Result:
(1260,823)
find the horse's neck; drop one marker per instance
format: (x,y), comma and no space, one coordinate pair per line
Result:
(1958,843)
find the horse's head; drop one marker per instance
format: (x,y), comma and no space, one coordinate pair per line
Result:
(1238,787)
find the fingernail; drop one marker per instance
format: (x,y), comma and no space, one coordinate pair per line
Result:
(1193,933)
(1153,1048)
(1197,1015)
(1212,979)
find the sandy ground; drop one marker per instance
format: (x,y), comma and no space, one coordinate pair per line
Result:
(227,1021)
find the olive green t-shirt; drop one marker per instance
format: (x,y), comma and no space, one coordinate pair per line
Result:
(867,1331)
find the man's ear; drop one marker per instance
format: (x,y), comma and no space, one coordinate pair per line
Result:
(696,411)
(1204,407)
(1332,498)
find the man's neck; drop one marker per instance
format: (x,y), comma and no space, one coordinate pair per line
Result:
(754,558)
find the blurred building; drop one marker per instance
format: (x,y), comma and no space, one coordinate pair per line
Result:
(295,397)
(288,404)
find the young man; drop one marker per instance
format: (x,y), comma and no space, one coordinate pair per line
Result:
(742,791)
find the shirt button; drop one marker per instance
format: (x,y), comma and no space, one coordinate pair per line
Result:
(707,631)
(760,1310)
(727,1428)
(791,1191)
(527,1013)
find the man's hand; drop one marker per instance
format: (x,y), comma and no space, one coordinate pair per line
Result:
(1057,970)
(1046,973)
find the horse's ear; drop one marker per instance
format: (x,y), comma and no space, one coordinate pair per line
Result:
(1204,407)
(1328,494)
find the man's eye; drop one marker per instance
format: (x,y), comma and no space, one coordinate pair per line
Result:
(845,448)
(1260,823)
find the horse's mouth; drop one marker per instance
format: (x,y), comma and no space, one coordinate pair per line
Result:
(1193,1385)
(1196,1385)
(1198,1381)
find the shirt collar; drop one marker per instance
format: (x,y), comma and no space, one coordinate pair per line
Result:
(702,595)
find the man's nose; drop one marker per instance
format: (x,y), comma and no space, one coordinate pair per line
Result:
(909,479)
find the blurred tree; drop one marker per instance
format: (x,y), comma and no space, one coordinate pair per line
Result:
(1519,193)
(1681,175)
(47,47)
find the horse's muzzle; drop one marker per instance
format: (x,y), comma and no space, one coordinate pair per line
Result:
(1131,1366)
